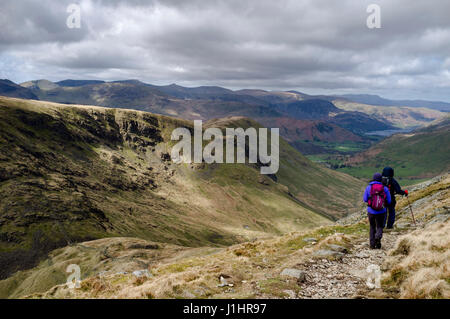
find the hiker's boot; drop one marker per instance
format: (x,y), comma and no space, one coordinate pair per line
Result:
(378,244)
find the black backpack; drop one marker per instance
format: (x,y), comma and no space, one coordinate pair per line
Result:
(387,181)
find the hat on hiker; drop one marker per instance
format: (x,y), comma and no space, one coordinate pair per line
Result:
(377,177)
(388,171)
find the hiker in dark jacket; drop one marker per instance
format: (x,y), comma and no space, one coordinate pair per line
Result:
(394,188)
(376,195)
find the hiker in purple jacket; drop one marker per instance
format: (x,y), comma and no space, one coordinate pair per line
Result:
(377,196)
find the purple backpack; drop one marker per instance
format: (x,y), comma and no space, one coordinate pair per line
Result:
(377,197)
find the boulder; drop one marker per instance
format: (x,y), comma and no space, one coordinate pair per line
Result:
(327,253)
(298,274)
(337,248)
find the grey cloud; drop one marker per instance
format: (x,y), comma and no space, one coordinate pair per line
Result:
(318,45)
(34,22)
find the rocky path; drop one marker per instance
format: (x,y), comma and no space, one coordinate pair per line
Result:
(345,278)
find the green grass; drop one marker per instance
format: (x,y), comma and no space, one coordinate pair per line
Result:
(366,173)
(414,157)
(275,287)
(343,147)
(323,232)
(396,277)
(331,159)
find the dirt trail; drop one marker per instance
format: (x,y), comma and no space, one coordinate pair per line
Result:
(345,278)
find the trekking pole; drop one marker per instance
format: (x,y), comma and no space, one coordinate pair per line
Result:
(414,220)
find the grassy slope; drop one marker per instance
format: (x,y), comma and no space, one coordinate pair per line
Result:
(419,265)
(327,191)
(74,173)
(416,268)
(422,154)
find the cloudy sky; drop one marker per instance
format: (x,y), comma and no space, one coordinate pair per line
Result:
(315,46)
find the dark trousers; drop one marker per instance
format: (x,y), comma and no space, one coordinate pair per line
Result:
(376,222)
(391,218)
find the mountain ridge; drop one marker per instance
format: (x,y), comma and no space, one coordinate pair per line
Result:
(373,99)
(208,102)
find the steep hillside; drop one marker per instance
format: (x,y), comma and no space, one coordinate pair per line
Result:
(312,130)
(313,136)
(423,153)
(308,109)
(74,173)
(326,262)
(325,191)
(359,122)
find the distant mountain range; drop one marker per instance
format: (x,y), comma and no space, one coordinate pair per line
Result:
(11,89)
(306,121)
(378,100)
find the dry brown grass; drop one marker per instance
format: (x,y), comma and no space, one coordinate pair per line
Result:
(443,185)
(421,263)
(417,267)
(252,268)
